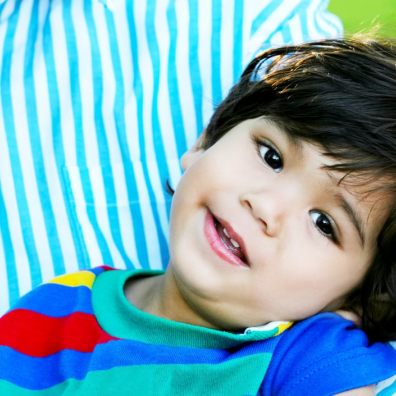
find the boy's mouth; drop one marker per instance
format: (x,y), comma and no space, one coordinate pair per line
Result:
(226,243)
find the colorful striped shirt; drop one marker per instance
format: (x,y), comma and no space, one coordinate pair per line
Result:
(79,335)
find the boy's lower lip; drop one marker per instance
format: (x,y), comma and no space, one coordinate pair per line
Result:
(217,244)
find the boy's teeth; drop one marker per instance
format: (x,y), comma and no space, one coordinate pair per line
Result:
(235,243)
(226,233)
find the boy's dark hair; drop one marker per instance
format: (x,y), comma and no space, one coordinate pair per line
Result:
(340,94)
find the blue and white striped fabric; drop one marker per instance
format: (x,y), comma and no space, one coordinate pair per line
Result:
(99,99)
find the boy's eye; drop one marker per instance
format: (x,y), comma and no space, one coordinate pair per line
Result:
(270,156)
(323,224)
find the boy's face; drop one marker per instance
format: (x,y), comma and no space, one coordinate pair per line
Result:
(261,232)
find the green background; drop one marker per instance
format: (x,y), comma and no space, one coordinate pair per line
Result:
(360,15)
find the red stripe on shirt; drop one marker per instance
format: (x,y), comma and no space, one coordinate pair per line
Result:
(39,335)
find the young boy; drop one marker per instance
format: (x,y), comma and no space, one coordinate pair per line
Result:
(285,213)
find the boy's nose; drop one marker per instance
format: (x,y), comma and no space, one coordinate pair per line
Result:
(269,209)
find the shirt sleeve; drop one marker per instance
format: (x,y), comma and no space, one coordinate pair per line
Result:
(326,355)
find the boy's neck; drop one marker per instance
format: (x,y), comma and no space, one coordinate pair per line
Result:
(145,293)
(156,295)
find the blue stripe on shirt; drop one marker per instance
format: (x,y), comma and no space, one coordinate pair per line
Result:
(158,146)
(35,142)
(174,94)
(238,44)
(38,373)
(103,144)
(54,125)
(130,181)
(9,254)
(77,118)
(216,53)
(46,300)
(264,15)
(195,73)
(9,115)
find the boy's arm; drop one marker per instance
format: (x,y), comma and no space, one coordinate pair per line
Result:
(328,354)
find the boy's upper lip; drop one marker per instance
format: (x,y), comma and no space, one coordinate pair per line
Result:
(234,235)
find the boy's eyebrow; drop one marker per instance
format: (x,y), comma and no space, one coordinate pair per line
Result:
(292,140)
(351,212)
(353,215)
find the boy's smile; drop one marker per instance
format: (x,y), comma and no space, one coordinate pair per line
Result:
(224,241)
(260,232)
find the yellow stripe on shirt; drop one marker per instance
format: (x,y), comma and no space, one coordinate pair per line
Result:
(82,278)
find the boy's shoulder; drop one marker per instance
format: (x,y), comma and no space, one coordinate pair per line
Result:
(327,352)
(54,316)
(62,295)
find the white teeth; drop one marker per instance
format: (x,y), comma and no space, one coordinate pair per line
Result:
(234,243)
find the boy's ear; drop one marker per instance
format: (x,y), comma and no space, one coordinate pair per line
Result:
(192,154)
